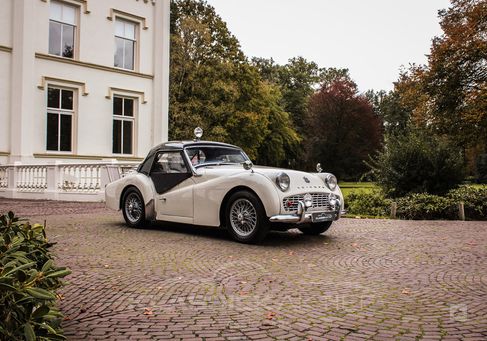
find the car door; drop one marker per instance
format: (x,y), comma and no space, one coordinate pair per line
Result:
(174,186)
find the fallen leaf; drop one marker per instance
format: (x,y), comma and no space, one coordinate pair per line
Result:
(270,315)
(148,311)
(406,291)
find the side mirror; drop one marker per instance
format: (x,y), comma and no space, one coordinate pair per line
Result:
(247,165)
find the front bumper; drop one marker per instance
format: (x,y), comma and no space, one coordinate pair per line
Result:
(305,216)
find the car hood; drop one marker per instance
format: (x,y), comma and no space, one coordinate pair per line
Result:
(299,180)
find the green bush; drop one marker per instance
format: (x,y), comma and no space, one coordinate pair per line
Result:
(421,206)
(28,280)
(417,163)
(370,204)
(475,201)
(425,206)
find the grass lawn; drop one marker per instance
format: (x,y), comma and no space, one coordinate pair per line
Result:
(367,187)
(355,187)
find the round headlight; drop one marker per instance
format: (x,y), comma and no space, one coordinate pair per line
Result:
(283,181)
(331,181)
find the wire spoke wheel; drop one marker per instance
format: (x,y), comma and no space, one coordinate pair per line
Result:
(133,207)
(243,217)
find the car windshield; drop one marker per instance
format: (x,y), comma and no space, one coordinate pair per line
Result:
(210,155)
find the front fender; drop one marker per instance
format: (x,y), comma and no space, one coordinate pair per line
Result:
(209,196)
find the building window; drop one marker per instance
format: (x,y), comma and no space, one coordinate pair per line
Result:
(125,44)
(62,29)
(60,112)
(123,125)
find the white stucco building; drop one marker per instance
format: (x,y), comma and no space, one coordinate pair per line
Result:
(82,80)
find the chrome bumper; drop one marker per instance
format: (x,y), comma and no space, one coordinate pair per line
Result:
(302,216)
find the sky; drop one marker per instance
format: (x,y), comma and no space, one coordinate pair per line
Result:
(372,38)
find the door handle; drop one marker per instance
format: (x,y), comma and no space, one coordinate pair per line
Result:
(163,199)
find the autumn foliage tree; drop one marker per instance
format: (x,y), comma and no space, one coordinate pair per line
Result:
(456,75)
(342,128)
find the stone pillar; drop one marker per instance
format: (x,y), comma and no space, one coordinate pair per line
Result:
(23,83)
(160,105)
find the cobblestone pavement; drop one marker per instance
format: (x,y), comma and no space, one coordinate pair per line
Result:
(364,279)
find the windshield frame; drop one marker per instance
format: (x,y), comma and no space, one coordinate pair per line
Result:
(215,163)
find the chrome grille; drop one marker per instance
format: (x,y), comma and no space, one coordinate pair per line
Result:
(320,201)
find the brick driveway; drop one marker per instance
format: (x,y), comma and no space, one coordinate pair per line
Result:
(376,279)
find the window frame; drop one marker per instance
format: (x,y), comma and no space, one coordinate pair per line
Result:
(60,111)
(122,118)
(76,28)
(135,41)
(159,153)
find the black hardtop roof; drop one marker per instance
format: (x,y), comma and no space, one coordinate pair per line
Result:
(145,166)
(178,145)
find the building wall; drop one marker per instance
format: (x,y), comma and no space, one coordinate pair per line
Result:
(5,65)
(29,69)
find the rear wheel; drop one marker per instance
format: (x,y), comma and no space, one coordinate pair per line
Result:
(315,229)
(245,218)
(133,208)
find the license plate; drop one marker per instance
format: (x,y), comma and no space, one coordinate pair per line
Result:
(321,216)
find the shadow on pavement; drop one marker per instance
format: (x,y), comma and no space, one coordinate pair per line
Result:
(274,238)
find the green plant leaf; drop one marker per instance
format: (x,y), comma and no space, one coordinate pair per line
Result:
(47,265)
(60,273)
(29,332)
(40,293)
(21,267)
(41,311)
(7,287)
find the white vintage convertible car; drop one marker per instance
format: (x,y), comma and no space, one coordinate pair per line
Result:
(215,184)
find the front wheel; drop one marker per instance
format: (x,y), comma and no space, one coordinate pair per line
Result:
(245,218)
(315,229)
(133,207)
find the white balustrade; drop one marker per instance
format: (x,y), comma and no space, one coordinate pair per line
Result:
(80,178)
(66,181)
(32,178)
(3,177)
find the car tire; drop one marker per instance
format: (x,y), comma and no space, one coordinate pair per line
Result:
(133,208)
(245,218)
(315,229)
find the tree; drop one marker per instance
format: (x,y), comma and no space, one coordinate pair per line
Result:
(456,78)
(417,162)
(212,85)
(298,80)
(342,128)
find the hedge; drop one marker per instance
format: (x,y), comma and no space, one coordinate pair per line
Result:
(28,280)
(422,206)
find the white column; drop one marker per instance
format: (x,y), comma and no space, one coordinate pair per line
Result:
(23,82)
(161,71)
